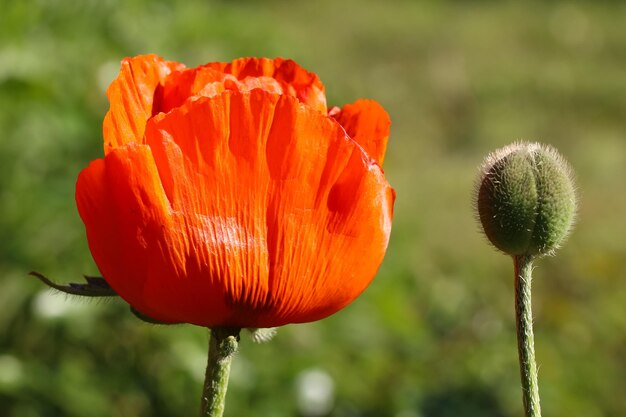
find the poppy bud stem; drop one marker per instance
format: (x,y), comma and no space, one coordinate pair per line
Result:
(525,338)
(222,346)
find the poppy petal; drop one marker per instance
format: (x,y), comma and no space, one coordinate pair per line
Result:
(294,80)
(132,96)
(367,123)
(139,243)
(245,209)
(188,84)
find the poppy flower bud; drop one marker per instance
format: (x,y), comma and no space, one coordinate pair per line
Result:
(526,199)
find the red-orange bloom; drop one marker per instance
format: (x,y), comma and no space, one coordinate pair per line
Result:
(230,196)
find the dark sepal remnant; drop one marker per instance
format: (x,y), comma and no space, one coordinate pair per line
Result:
(94,286)
(148,319)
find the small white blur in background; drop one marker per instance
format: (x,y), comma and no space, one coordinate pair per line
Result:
(315,393)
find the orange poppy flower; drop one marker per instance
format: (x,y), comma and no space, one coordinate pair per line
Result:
(230,196)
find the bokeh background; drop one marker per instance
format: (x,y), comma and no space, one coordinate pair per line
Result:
(434,335)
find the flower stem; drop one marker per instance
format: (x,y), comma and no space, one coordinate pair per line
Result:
(525,338)
(222,347)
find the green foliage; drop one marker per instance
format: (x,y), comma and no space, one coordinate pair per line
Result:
(434,335)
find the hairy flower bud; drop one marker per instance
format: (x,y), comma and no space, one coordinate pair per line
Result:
(526,199)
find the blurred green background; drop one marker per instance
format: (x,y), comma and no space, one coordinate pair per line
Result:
(433,336)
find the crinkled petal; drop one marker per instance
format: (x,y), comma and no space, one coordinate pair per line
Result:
(243,209)
(140,244)
(367,123)
(189,84)
(134,99)
(294,80)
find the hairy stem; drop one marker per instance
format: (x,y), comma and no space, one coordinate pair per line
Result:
(222,346)
(525,338)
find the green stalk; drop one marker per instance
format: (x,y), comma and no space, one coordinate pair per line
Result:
(222,346)
(525,338)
